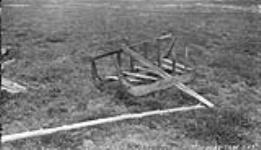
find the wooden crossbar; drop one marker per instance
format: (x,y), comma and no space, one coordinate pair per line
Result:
(178,65)
(116,78)
(168,67)
(139,76)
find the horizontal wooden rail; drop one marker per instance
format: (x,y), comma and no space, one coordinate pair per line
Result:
(139,76)
(107,54)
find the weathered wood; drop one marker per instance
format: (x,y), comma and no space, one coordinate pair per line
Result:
(94,71)
(169,49)
(139,76)
(48,131)
(158,49)
(131,64)
(170,68)
(107,54)
(12,87)
(162,84)
(164,66)
(178,65)
(119,61)
(6,63)
(163,74)
(145,48)
(144,61)
(116,78)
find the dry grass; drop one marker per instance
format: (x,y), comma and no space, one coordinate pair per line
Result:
(54,44)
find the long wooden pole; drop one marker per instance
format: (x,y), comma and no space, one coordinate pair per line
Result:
(42,132)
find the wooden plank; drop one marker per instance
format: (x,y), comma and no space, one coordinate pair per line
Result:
(142,90)
(178,65)
(144,69)
(162,84)
(163,74)
(107,54)
(12,87)
(48,131)
(140,76)
(116,78)
(164,66)
(168,67)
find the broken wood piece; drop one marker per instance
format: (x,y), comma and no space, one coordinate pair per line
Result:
(116,78)
(179,65)
(6,63)
(163,37)
(107,54)
(170,68)
(94,71)
(48,131)
(12,87)
(170,48)
(139,76)
(119,61)
(162,84)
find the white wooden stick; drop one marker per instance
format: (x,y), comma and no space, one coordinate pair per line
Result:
(42,132)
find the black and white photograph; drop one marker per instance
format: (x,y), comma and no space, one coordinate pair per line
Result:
(130,75)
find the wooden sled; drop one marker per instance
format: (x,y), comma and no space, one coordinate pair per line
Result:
(145,74)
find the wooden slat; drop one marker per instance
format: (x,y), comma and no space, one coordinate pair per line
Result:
(142,90)
(116,78)
(164,66)
(168,67)
(178,65)
(144,69)
(159,85)
(107,54)
(140,76)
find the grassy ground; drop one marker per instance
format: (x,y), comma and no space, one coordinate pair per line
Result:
(54,39)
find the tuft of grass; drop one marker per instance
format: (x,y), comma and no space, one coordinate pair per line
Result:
(225,126)
(236,64)
(57,37)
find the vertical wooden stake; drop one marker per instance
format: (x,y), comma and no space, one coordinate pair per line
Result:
(131,64)
(94,71)
(186,52)
(174,60)
(119,59)
(158,53)
(145,47)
